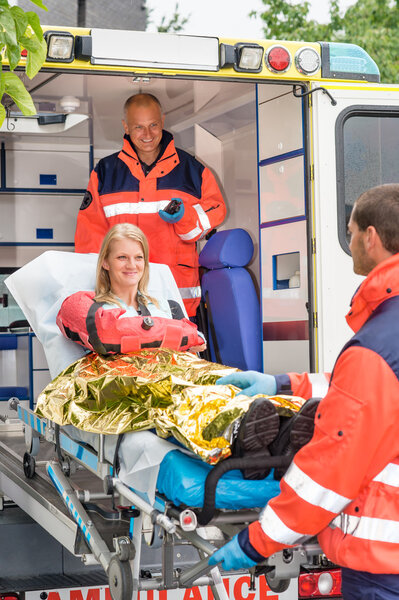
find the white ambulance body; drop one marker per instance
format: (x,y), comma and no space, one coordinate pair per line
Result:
(293,131)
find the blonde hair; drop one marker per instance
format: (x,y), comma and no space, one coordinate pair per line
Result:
(103,290)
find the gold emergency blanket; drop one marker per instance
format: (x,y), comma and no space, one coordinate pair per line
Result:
(173,392)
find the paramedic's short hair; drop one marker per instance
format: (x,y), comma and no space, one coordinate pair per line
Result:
(141,100)
(121,231)
(379,207)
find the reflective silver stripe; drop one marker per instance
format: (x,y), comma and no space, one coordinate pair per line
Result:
(191,234)
(312,492)
(203,217)
(319,384)
(134,208)
(274,527)
(368,528)
(190,292)
(389,475)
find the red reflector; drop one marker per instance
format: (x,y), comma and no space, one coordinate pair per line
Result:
(326,584)
(278,59)
(187,520)
(306,585)
(24,52)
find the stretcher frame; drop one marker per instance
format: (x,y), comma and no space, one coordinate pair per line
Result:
(160,524)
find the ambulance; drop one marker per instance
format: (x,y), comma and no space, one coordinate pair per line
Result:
(294,132)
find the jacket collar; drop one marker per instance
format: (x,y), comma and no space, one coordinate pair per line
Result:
(380,284)
(166,161)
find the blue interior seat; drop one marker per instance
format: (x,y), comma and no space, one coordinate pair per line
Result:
(232,303)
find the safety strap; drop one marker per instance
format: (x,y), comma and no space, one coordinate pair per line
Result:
(212,329)
(172,337)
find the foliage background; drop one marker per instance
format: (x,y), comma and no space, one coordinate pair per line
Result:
(19,30)
(372,24)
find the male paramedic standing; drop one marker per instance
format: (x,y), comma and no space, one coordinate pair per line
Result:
(344,484)
(138,183)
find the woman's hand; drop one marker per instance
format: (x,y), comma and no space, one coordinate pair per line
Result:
(198,348)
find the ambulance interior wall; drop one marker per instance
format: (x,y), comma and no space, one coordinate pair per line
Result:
(44,174)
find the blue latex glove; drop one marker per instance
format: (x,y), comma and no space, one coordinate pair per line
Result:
(251,382)
(231,556)
(176,216)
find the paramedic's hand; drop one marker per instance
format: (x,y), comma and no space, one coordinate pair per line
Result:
(251,382)
(232,556)
(176,216)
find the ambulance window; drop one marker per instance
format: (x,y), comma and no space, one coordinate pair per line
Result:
(367,155)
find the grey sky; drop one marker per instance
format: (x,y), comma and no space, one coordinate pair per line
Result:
(217,17)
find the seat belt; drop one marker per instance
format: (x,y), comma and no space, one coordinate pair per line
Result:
(212,329)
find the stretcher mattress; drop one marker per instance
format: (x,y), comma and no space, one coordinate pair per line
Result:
(181,479)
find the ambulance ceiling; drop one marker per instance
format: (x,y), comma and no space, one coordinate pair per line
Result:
(220,107)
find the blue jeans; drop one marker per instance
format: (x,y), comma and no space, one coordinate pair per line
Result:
(360,585)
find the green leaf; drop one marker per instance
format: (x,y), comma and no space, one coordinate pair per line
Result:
(34,22)
(35,59)
(17,91)
(20,20)
(13,55)
(2,114)
(7,22)
(39,3)
(2,82)
(4,3)
(30,43)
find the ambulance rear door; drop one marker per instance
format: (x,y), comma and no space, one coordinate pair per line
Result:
(355,147)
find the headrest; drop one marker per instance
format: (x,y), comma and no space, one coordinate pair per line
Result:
(230,248)
(41,285)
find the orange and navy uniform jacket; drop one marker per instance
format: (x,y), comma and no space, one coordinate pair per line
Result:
(344,484)
(120,192)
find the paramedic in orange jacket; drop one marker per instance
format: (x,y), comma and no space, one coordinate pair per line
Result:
(136,184)
(344,484)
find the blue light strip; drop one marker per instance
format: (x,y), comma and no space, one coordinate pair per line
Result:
(68,503)
(28,416)
(79,452)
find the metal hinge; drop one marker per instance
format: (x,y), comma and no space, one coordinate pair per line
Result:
(315,320)
(313,245)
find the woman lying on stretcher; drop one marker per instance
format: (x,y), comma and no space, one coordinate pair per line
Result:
(147,380)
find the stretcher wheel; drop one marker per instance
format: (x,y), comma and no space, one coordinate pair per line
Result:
(120,579)
(277,585)
(29,465)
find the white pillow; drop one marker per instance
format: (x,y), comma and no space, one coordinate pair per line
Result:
(41,285)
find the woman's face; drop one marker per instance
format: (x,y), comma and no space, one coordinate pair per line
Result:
(125,264)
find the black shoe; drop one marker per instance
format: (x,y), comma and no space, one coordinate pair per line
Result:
(295,432)
(258,428)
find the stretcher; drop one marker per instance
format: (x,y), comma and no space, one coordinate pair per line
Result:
(162,498)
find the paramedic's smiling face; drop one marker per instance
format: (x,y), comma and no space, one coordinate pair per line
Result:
(125,265)
(144,124)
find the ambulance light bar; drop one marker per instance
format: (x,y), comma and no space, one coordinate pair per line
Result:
(243,57)
(149,50)
(59,46)
(307,61)
(347,61)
